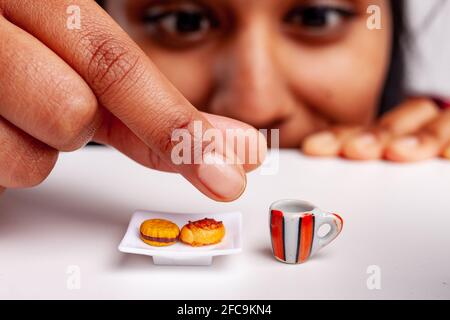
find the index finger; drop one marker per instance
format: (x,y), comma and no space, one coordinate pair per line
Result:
(125,82)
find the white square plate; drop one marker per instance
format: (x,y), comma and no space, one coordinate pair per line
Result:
(180,253)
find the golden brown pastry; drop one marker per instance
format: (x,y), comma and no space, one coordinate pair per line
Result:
(159,232)
(202,232)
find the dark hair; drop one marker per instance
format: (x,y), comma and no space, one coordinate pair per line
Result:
(393,91)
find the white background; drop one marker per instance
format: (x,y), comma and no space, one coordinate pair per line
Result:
(429,55)
(395,216)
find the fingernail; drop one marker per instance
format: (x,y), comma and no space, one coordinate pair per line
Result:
(221,178)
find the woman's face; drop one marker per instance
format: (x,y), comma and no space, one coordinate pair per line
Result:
(296,65)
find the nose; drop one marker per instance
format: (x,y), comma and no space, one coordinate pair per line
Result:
(249,84)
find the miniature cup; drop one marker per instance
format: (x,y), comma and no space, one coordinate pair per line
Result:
(294,230)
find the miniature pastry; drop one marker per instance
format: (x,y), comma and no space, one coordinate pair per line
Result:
(159,232)
(202,232)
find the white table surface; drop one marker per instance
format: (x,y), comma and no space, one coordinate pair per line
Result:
(397,217)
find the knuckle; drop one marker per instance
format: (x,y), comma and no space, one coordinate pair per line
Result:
(110,60)
(75,126)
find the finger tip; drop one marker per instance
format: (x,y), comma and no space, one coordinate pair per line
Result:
(220,178)
(230,197)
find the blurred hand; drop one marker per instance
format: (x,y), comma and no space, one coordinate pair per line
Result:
(415,130)
(61,88)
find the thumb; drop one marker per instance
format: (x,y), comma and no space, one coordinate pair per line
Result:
(250,148)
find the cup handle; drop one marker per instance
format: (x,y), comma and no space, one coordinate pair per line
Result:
(336,223)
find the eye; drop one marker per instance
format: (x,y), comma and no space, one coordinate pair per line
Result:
(179,25)
(318,20)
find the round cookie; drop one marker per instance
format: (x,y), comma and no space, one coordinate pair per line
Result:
(202,232)
(159,232)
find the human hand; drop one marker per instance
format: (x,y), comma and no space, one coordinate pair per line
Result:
(415,130)
(61,88)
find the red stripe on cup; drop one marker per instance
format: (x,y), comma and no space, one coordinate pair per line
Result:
(306,237)
(277,234)
(340,219)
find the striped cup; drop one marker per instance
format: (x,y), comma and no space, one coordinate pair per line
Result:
(294,230)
